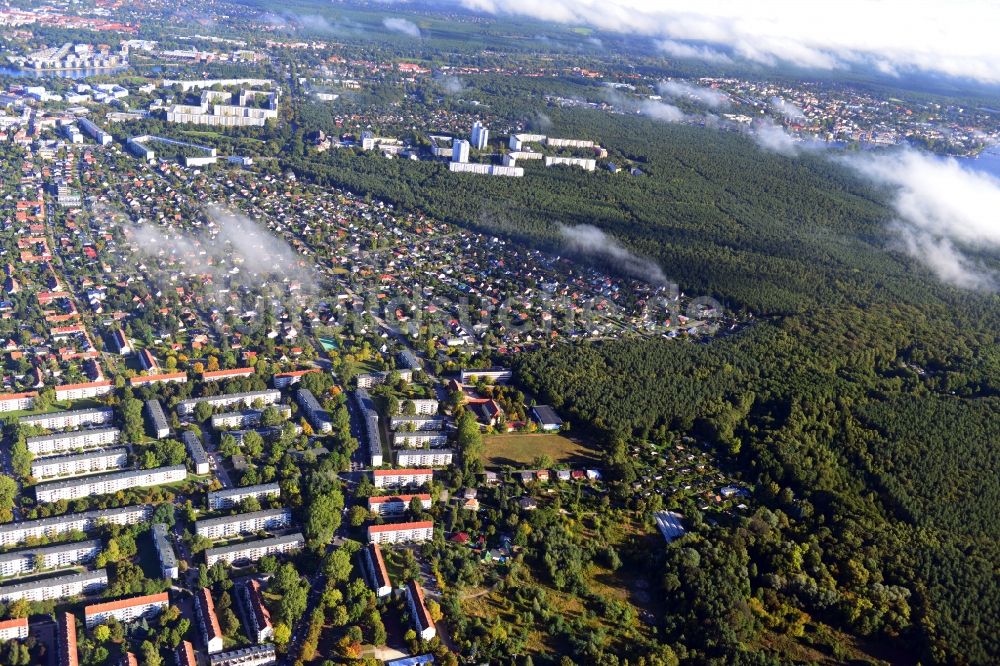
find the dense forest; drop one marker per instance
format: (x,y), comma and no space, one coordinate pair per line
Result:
(863,405)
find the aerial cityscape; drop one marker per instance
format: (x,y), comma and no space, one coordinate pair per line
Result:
(621,332)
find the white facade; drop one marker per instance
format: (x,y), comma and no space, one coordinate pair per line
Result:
(50,557)
(79,418)
(13,402)
(460,151)
(126,610)
(267,397)
(81,391)
(165,551)
(255,655)
(584,163)
(424,457)
(251,551)
(224,499)
(416,438)
(401,532)
(480,135)
(244,523)
(12,534)
(393,505)
(68,441)
(425,406)
(76,464)
(106,484)
(58,587)
(14,629)
(422,422)
(389,478)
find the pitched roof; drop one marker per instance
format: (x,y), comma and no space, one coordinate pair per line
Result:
(210,621)
(420,524)
(119,604)
(424,617)
(381,573)
(402,472)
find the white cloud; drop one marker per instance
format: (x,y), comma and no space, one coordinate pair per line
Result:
(668,113)
(714,99)
(681,50)
(403,26)
(787,109)
(942,206)
(589,240)
(770,136)
(956,39)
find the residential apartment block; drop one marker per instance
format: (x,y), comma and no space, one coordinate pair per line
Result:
(77,418)
(12,534)
(244,523)
(401,532)
(75,464)
(66,652)
(12,402)
(43,445)
(417,438)
(424,457)
(424,406)
(208,621)
(418,423)
(377,574)
(267,397)
(106,484)
(257,614)
(125,610)
(14,629)
(391,478)
(165,551)
(57,587)
(422,622)
(84,390)
(372,439)
(251,551)
(224,499)
(393,505)
(196,452)
(157,419)
(59,556)
(255,655)
(318,418)
(286,379)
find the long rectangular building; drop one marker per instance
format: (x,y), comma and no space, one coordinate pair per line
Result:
(125,610)
(224,499)
(318,417)
(254,655)
(165,551)
(56,587)
(12,534)
(14,629)
(211,632)
(244,523)
(66,652)
(417,423)
(422,621)
(199,458)
(401,532)
(77,418)
(43,445)
(106,484)
(253,550)
(18,562)
(388,478)
(392,505)
(378,574)
(76,464)
(267,397)
(257,613)
(424,457)
(157,419)
(369,426)
(432,438)
(12,402)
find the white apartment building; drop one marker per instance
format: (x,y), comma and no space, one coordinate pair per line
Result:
(424,457)
(584,163)
(14,629)
(12,534)
(424,406)
(77,418)
(377,574)
(393,505)
(251,551)
(319,419)
(390,478)
(401,532)
(255,655)
(422,622)
(480,135)
(125,610)
(460,151)
(257,613)
(211,632)
(417,423)
(58,587)
(165,551)
(402,438)
(267,397)
(224,499)
(246,419)
(85,390)
(244,523)
(13,402)
(43,445)
(196,452)
(59,556)
(106,484)
(75,464)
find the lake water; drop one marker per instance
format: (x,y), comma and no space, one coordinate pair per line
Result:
(987,162)
(58,74)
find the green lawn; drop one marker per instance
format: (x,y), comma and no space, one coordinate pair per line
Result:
(519,449)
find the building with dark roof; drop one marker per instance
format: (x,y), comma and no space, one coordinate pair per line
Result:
(165,551)
(157,419)
(546,418)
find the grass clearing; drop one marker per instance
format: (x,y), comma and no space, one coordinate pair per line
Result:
(519,449)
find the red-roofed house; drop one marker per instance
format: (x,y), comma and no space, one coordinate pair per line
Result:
(218,375)
(391,505)
(66,640)
(422,530)
(259,616)
(125,610)
(210,629)
(422,622)
(378,575)
(16,628)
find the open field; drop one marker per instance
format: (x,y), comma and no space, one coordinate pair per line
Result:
(520,449)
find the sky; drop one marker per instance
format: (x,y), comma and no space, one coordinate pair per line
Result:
(955,38)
